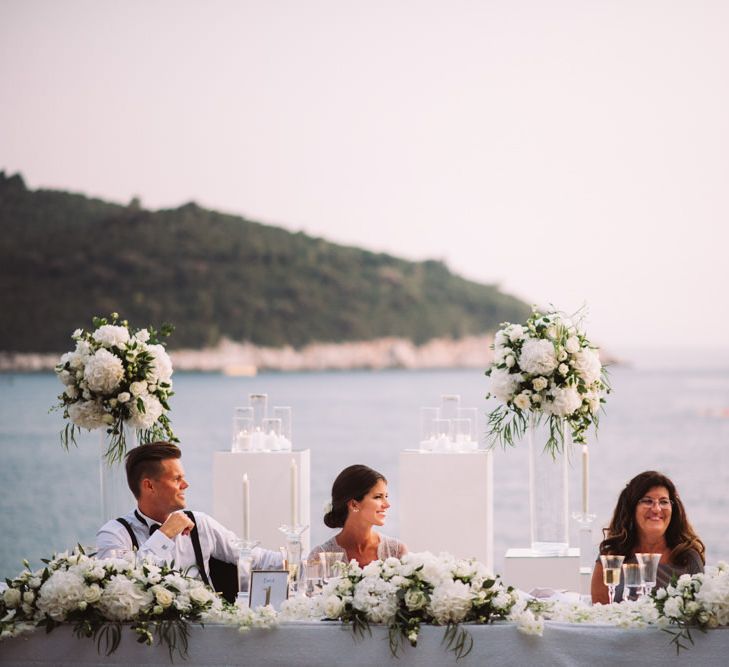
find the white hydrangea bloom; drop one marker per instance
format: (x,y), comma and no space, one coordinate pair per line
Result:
(123,599)
(565,401)
(161,366)
(110,335)
(103,372)
(152,412)
(87,414)
(61,594)
(450,601)
(537,357)
(587,364)
(503,384)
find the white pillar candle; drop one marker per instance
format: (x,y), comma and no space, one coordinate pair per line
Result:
(585,479)
(246,508)
(294,493)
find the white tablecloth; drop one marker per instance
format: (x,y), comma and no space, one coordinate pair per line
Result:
(323,644)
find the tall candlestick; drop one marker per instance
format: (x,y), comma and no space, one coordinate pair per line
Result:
(585,479)
(294,493)
(246,508)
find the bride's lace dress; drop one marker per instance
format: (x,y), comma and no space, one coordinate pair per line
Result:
(389,547)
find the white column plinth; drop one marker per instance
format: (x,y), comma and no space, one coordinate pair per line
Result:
(269,479)
(525,570)
(446,503)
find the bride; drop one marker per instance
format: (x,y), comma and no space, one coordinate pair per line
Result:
(359,502)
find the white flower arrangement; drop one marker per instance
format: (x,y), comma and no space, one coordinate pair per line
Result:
(98,595)
(116,376)
(698,601)
(405,593)
(545,369)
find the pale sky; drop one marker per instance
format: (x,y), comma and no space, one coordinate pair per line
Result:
(573,152)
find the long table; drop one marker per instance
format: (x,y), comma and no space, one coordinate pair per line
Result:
(322,644)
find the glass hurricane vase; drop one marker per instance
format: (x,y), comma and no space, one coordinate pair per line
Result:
(548,492)
(116,498)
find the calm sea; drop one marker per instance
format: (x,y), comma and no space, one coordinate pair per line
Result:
(676,421)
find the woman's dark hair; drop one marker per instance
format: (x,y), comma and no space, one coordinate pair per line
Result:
(352,483)
(621,535)
(145,462)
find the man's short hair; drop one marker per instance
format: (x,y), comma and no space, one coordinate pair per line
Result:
(145,462)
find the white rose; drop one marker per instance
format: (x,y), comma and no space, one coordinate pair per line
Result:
(563,369)
(522,401)
(72,392)
(537,357)
(34,582)
(138,388)
(163,596)
(12,597)
(103,372)
(539,383)
(201,595)
(510,361)
(152,411)
(562,356)
(87,414)
(28,597)
(123,397)
(65,377)
(415,599)
(92,594)
(110,335)
(565,401)
(332,607)
(503,384)
(587,364)
(572,344)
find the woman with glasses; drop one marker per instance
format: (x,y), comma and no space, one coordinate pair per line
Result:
(650,518)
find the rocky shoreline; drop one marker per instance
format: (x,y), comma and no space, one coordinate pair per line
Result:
(234,358)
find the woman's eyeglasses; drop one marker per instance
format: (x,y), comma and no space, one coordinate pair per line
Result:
(663,503)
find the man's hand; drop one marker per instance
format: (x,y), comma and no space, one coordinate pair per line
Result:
(177,523)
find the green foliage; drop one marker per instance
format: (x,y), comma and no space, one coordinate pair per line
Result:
(64,255)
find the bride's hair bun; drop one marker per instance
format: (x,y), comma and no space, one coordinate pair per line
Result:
(352,483)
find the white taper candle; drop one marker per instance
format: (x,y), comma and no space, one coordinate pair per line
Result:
(246,508)
(294,493)
(585,479)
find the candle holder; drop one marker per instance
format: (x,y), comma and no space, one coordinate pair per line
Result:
(585,519)
(245,559)
(293,553)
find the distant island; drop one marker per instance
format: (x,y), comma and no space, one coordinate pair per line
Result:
(242,295)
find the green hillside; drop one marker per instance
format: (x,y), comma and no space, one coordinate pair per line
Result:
(65,257)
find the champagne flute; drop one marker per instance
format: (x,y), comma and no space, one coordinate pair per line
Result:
(632,580)
(611,567)
(650,570)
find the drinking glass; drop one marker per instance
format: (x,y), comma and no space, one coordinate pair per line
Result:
(611,573)
(650,570)
(312,576)
(330,563)
(632,581)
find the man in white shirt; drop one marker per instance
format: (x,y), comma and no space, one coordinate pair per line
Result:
(159,528)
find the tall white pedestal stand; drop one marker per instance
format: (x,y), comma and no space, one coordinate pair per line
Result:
(269,478)
(446,503)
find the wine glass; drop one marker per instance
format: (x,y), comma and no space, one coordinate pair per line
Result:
(330,561)
(632,580)
(312,576)
(611,565)
(650,570)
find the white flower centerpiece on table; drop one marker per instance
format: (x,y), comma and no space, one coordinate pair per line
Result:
(115,376)
(545,369)
(98,596)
